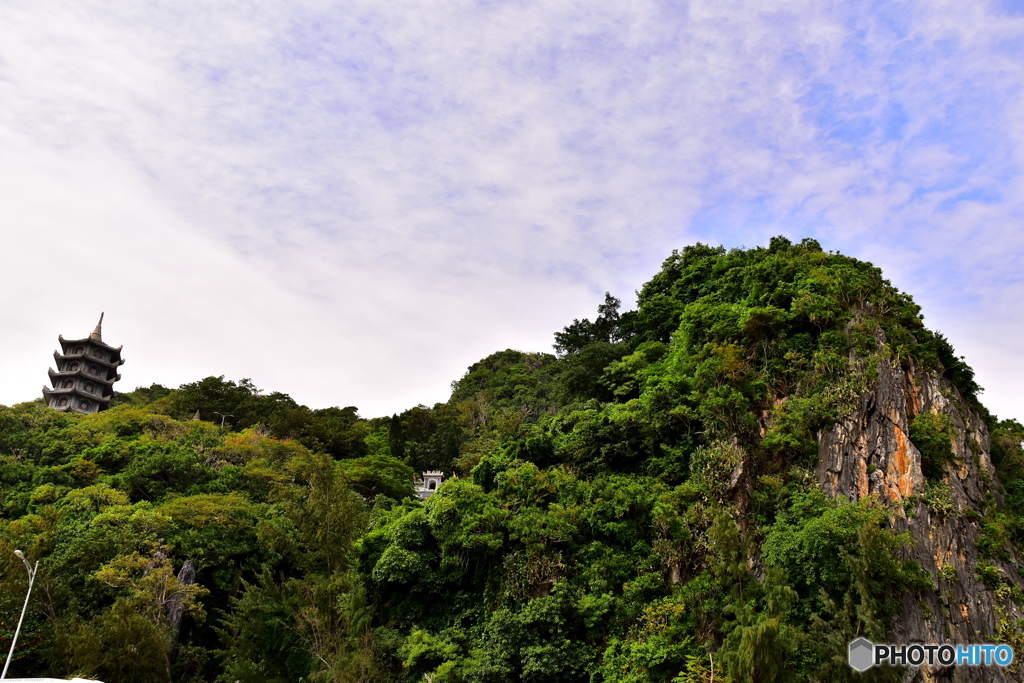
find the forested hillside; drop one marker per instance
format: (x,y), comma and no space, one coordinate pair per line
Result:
(770,456)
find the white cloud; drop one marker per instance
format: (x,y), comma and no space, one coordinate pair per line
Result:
(351,203)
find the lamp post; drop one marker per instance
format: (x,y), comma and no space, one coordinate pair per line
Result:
(31,579)
(222,417)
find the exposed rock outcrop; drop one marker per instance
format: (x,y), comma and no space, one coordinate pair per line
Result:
(870,453)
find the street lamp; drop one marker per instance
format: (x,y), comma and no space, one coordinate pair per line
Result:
(31,579)
(222,416)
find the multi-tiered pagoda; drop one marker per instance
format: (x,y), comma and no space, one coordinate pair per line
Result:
(85,376)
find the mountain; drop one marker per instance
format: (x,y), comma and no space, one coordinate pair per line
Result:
(768,458)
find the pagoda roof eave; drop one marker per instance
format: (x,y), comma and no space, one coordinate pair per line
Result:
(74,391)
(85,357)
(78,373)
(87,340)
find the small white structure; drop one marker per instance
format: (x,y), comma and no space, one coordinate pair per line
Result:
(431,480)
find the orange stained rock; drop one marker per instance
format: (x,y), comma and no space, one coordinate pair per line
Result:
(913,395)
(963,610)
(862,477)
(902,461)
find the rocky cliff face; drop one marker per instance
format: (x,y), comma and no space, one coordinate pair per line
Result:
(870,453)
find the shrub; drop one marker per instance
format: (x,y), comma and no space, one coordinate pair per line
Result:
(932,435)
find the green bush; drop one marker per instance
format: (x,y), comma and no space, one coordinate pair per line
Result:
(932,435)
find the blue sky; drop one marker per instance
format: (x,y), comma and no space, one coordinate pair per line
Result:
(352,202)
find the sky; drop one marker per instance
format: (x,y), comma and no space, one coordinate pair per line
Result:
(353,201)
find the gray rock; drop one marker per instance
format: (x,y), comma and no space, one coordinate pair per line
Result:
(870,453)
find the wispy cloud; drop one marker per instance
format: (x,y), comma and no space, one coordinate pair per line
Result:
(353,202)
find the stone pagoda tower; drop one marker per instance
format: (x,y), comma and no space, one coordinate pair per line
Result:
(85,376)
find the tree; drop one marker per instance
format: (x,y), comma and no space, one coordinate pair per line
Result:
(580,333)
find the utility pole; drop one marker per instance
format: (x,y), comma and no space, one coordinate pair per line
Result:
(31,579)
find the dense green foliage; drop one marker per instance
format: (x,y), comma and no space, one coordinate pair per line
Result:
(116,502)
(638,508)
(933,436)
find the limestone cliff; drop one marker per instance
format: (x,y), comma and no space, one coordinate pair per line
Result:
(870,453)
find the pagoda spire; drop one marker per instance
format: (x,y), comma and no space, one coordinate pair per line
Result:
(85,375)
(97,334)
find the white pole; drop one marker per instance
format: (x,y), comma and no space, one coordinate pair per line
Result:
(31,580)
